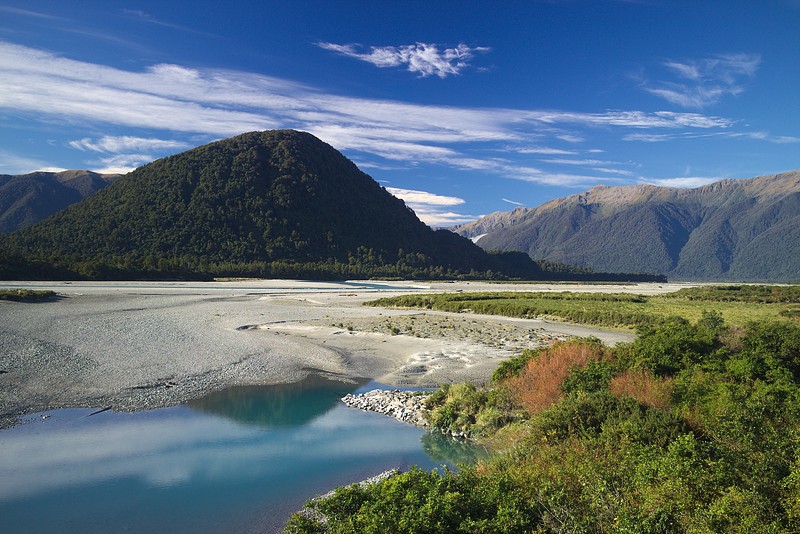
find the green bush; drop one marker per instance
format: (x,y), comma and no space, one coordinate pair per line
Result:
(722,455)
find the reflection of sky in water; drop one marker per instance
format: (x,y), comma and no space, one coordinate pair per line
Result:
(185,469)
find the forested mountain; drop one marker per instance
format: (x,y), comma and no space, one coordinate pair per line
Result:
(273,204)
(729,230)
(28,198)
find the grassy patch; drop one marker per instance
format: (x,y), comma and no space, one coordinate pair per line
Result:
(738,305)
(25,295)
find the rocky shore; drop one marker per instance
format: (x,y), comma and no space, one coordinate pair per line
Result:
(405,406)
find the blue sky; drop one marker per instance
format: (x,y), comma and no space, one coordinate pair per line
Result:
(460,108)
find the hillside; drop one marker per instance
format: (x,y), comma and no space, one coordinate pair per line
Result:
(277,203)
(29,198)
(728,230)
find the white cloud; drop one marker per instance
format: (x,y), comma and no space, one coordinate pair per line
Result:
(126,144)
(608,170)
(684,182)
(29,13)
(704,82)
(564,161)
(121,163)
(423,197)
(420,58)
(648,138)
(181,101)
(512,202)
(13,164)
(546,151)
(571,138)
(427,207)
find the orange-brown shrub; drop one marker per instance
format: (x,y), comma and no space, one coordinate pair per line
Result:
(644,387)
(538,385)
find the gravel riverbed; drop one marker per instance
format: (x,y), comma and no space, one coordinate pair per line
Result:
(143,345)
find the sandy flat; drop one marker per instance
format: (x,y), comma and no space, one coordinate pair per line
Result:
(141,345)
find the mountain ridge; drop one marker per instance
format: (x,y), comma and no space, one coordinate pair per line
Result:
(272,204)
(726,230)
(26,199)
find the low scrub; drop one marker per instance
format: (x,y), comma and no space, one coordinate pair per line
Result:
(539,384)
(464,410)
(693,427)
(643,386)
(26,295)
(737,304)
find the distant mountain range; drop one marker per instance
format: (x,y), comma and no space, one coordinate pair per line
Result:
(270,204)
(746,230)
(29,198)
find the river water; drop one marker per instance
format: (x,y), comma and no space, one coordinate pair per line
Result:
(239,460)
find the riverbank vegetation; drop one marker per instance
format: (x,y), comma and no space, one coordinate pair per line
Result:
(738,304)
(692,427)
(25,295)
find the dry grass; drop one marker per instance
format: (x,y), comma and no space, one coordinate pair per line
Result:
(538,385)
(644,387)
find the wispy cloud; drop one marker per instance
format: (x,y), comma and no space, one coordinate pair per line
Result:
(423,197)
(28,13)
(754,135)
(584,162)
(424,59)
(127,151)
(126,144)
(121,163)
(512,202)
(683,182)
(428,207)
(547,151)
(701,83)
(13,164)
(609,170)
(147,18)
(181,102)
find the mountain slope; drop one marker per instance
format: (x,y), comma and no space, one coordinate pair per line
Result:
(729,230)
(278,203)
(29,198)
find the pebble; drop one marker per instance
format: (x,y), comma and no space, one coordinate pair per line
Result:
(405,406)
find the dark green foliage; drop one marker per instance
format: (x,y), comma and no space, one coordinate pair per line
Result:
(418,501)
(719,455)
(741,293)
(273,204)
(564,305)
(465,410)
(29,295)
(596,376)
(671,345)
(513,366)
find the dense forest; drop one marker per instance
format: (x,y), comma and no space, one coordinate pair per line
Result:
(276,204)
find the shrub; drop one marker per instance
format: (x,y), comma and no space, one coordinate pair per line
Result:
(673,345)
(513,366)
(471,411)
(596,376)
(642,386)
(539,383)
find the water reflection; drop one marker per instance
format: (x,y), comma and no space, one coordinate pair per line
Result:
(446,450)
(279,405)
(239,461)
